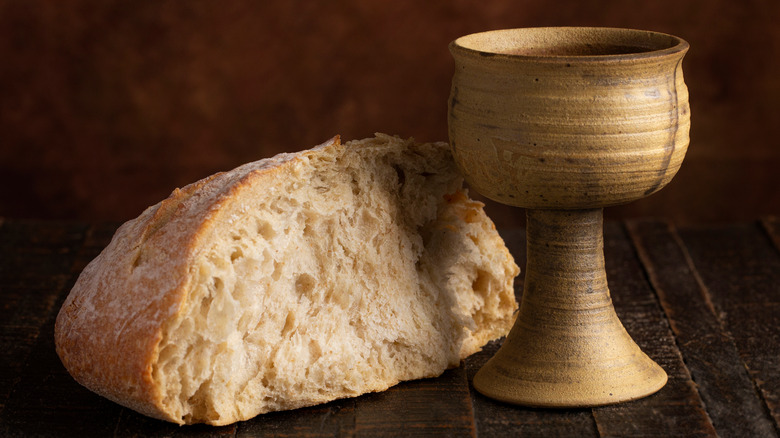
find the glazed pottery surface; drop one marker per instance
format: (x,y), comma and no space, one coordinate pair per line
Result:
(564,122)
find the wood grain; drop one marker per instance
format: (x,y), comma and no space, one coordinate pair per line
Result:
(429,407)
(659,293)
(46,401)
(740,268)
(336,418)
(709,352)
(34,270)
(676,409)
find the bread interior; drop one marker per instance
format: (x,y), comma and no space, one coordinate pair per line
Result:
(361,267)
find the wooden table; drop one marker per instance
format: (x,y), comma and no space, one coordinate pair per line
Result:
(703,301)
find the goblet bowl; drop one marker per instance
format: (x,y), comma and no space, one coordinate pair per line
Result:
(568,117)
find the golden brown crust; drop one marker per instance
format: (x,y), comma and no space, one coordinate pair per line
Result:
(108,330)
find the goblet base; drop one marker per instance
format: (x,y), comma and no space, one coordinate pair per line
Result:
(567,347)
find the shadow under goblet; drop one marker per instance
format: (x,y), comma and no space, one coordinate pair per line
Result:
(564,122)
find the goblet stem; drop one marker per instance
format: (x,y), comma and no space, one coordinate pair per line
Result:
(567,347)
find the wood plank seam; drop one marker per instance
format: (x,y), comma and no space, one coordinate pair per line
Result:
(678,404)
(708,388)
(705,293)
(120,422)
(648,273)
(469,389)
(767,410)
(115,434)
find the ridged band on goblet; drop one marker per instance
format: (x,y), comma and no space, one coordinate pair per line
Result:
(561,123)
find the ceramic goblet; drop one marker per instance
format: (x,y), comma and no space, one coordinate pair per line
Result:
(565,122)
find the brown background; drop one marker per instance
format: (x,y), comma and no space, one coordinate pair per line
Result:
(105,107)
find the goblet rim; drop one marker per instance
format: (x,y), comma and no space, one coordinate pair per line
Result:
(680,45)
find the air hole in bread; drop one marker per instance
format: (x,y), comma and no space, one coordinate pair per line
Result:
(167,353)
(481,283)
(200,408)
(315,351)
(355,186)
(400,174)
(277,272)
(243,324)
(205,306)
(289,324)
(304,284)
(266,230)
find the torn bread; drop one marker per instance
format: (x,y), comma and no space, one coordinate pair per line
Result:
(289,282)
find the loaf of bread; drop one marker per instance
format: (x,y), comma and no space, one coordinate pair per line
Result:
(289,282)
